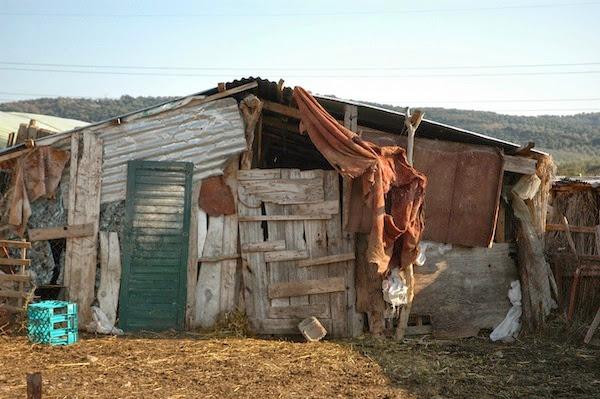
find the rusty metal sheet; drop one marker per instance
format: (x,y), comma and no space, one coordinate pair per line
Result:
(463,189)
(216,197)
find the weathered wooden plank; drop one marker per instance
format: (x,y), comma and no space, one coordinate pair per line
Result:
(295,239)
(73,165)
(593,328)
(81,253)
(259,174)
(598,240)
(14,262)
(336,258)
(208,288)
(228,299)
(316,241)
(218,258)
(22,271)
(283,326)
(110,275)
(267,218)
(524,166)
(223,94)
(13,294)
(15,244)
(278,268)
(325,207)
(500,235)
(281,109)
(14,309)
(14,154)
(355,319)
(282,256)
(325,260)
(307,287)
(271,245)
(574,229)
(286,191)
(14,278)
(51,233)
(254,268)
(299,312)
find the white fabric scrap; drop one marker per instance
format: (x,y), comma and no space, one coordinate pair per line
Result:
(100,323)
(510,326)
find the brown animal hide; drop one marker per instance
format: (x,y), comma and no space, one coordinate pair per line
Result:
(384,172)
(35,175)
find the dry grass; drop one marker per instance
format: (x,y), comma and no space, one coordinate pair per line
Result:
(191,365)
(185,366)
(581,209)
(230,324)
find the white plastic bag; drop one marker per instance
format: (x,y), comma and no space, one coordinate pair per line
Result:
(423,245)
(511,323)
(100,324)
(394,290)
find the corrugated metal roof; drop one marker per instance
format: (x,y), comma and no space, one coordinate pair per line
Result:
(207,135)
(369,116)
(377,117)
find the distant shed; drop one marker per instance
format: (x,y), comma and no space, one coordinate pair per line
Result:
(573,244)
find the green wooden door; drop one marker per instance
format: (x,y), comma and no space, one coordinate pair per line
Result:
(155,245)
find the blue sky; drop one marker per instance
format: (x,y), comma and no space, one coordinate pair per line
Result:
(383,51)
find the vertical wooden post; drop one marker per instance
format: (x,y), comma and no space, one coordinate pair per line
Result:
(501,223)
(593,328)
(259,150)
(34,385)
(355,319)
(73,165)
(411,123)
(84,207)
(22,272)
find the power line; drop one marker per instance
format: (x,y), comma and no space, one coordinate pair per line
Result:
(546,110)
(298,69)
(379,102)
(303,14)
(492,101)
(303,76)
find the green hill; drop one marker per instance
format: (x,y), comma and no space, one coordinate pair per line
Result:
(90,110)
(574,141)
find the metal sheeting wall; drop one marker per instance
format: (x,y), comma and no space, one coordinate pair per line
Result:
(207,135)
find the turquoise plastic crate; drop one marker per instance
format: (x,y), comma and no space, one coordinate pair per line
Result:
(52,322)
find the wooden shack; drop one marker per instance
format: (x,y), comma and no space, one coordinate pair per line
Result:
(215,201)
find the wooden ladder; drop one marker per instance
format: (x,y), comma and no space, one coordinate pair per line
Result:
(14,272)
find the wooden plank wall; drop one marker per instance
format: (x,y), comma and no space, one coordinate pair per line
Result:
(300,270)
(465,289)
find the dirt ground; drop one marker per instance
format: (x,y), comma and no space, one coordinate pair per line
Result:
(193,365)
